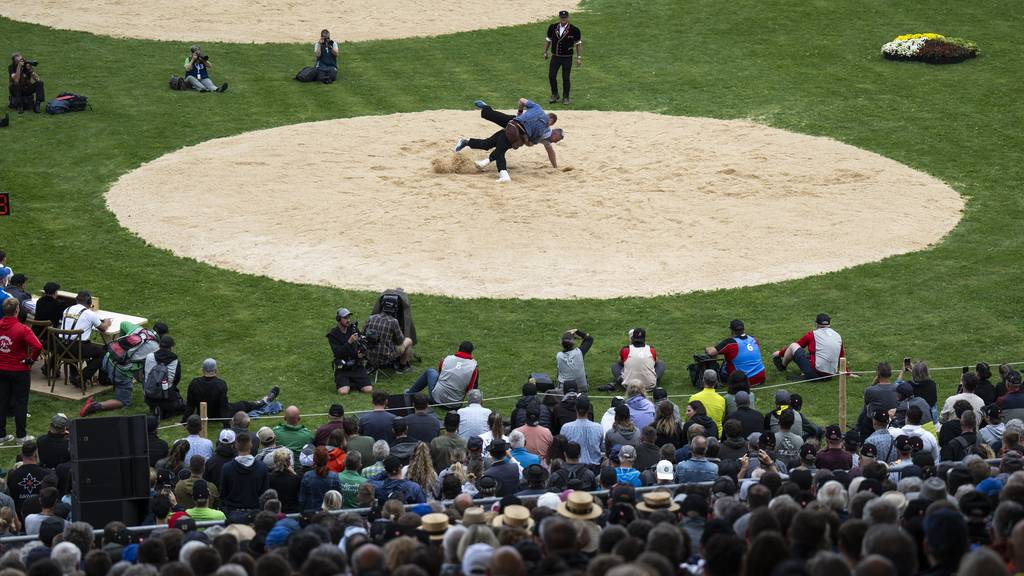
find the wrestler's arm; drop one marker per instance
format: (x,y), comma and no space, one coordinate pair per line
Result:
(550,149)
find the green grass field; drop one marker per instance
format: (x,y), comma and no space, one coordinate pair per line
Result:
(810,66)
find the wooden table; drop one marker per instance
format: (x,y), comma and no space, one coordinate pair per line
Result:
(115,320)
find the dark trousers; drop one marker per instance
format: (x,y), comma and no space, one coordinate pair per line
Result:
(92,353)
(498,141)
(21,97)
(14,388)
(565,63)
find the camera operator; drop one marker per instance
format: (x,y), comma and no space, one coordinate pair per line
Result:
(349,355)
(326,51)
(25,84)
(197,72)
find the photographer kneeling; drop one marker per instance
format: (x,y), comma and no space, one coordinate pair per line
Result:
(326,51)
(197,67)
(25,84)
(349,355)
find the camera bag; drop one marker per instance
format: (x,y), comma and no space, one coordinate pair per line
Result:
(67,102)
(307,74)
(178,83)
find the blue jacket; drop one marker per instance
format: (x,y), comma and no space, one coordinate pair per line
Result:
(524,457)
(694,470)
(313,488)
(413,492)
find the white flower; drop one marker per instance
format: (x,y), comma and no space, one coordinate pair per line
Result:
(903,48)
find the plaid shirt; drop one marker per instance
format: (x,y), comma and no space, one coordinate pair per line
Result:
(389,335)
(373,470)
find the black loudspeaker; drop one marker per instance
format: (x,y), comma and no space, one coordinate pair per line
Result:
(110,459)
(400,404)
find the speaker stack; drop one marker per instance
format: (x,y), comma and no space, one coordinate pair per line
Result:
(110,461)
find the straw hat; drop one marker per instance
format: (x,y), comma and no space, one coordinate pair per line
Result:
(435,524)
(474,515)
(241,532)
(514,517)
(899,499)
(657,500)
(580,505)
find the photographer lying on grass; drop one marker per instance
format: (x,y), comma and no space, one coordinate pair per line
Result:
(197,66)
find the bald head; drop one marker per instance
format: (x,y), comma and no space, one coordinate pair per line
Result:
(875,565)
(291,415)
(463,501)
(369,558)
(507,562)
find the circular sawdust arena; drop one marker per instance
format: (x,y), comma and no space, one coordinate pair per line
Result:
(642,204)
(276,21)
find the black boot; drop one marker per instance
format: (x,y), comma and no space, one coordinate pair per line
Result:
(4,123)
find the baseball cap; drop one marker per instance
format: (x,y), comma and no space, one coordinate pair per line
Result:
(498,446)
(880,416)
(265,434)
(834,432)
(200,490)
(623,493)
(534,471)
(736,325)
(621,411)
(659,394)
(808,451)
(59,421)
(343,313)
(563,13)
(992,410)
(475,443)
(767,441)
(628,452)
(664,470)
(336,410)
(227,436)
(852,438)
(869,450)
(903,443)
(823,319)
(905,388)
(209,365)
(781,397)
(637,334)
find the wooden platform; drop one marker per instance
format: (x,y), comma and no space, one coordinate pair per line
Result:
(60,391)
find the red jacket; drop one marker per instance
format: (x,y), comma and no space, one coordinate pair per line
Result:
(17,342)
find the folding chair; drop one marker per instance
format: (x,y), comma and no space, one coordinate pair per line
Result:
(65,353)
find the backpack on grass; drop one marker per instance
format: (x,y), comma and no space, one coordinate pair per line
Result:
(157,383)
(178,83)
(701,362)
(67,102)
(307,74)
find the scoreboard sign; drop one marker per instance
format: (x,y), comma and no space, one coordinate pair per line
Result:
(5,204)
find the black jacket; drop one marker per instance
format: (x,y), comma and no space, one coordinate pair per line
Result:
(211,390)
(752,420)
(242,483)
(507,475)
(345,355)
(423,427)
(402,448)
(561,478)
(165,357)
(647,456)
(519,412)
(222,454)
(54,449)
(287,486)
(157,448)
(565,412)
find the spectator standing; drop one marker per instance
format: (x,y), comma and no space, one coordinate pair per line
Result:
(958,447)
(54,446)
(444,445)
(455,376)
(713,402)
(565,410)
(25,481)
(698,468)
(569,365)
(422,424)
(503,470)
(984,389)
(377,424)
(528,401)
(913,428)
(880,395)
(741,352)
(335,420)
(968,384)
(537,437)
(816,353)
(834,457)
(751,420)
(19,348)
(243,479)
(881,439)
(202,492)
(316,482)
(291,433)
(585,432)
(473,417)
(925,387)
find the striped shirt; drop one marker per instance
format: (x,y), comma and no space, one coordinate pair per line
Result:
(589,435)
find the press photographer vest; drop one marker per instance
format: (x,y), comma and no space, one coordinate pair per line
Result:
(327,58)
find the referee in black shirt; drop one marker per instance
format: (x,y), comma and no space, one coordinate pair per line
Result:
(562,38)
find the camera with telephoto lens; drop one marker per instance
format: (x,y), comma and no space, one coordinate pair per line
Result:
(32,63)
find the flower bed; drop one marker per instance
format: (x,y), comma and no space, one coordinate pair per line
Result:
(930,47)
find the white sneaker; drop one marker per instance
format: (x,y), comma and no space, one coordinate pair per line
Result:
(6,439)
(503,176)
(484,163)
(21,441)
